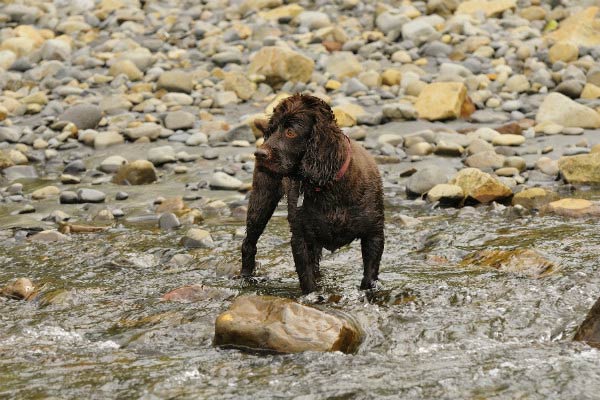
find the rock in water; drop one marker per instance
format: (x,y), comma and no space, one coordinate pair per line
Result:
(523,261)
(284,326)
(480,186)
(197,292)
(589,330)
(20,289)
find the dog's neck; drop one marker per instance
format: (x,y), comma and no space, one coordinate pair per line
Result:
(344,168)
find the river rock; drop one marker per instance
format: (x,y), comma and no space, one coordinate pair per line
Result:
(138,172)
(20,289)
(589,330)
(112,164)
(127,68)
(161,155)
(284,326)
(561,110)
(508,140)
(176,81)
(223,181)
(565,51)
(197,292)
(19,172)
(485,159)
(168,221)
(573,208)
(480,186)
(91,196)
(48,236)
(441,100)
(45,192)
(521,261)
(197,238)
(425,179)
(590,91)
(103,140)
(580,169)
(5,160)
(451,195)
(279,65)
(534,198)
(489,7)
(148,130)
(343,64)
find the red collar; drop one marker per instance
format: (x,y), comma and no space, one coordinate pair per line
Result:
(340,174)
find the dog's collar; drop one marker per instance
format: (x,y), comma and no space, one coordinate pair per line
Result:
(340,174)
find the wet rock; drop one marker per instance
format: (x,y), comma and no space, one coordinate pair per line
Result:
(223,181)
(197,292)
(45,192)
(450,195)
(197,238)
(75,167)
(48,236)
(168,221)
(280,65)
(481,186)
(20,289)
(173,204)
(139,172)
(90,196)
(425,179)
(19,172)
(560,109)
(580,169)
(589,330)
(443,148)
(534,198)
(284,326)
(121,196)
(573,208)
(176,81)
(441,100)
(68,197)
(521,261)
(145,130)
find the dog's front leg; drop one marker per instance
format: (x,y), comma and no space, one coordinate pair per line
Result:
(372,249)
(304,251)
(266,193)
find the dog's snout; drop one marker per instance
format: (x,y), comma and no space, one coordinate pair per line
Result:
(262,154)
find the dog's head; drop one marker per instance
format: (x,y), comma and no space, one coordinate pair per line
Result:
(301,138)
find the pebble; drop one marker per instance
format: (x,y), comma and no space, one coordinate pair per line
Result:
(90,196)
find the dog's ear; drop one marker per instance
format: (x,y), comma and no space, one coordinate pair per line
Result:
(324,151)
(261,124)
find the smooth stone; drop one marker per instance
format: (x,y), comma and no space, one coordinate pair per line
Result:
(284,326)
(197,238)
(508,140)
(485,159)
(223,181)
(45,192)
(75,167)
(573,208)
(425,179)
(20,289)
(168,221)
(68,197)
(176,81)
(161,155)
(420,149)
(547,165)
(112,164)
(560,109)
(179,120)
(19,172)
(69,179)
(148,130)
(90,196)
(534,198)
(580,169)
(138,172)
(507,171)
(84,116)
(446,194)
(278,65)
(48,236)
(106,139)
(9,134)
(120,196)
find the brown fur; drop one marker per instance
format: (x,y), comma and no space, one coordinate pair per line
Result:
(303,152)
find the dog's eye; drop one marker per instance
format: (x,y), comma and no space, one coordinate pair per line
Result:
(289,133)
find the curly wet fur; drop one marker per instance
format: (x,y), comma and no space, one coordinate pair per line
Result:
(303,152)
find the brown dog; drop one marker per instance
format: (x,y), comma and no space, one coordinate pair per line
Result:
(333,187)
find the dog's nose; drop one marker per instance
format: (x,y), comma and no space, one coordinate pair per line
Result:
(262,154)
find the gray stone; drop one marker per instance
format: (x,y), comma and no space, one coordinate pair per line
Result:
(74,167)
(196,139)
(389,21)
(112,164)
(176,81)
(161,155)
(419,31)
(222,181)
(179,120)
(401,110)
(426,178)
(9,134)
(55,49)
(19,172)
(149,130)
(48,236)
(90,196)
(168,221)
(68,197)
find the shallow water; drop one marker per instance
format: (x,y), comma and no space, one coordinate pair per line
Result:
(435,330)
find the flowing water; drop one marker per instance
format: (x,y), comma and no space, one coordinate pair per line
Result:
(435,330)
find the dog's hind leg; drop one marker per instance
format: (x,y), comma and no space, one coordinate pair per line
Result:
(266,193)
(372,249)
